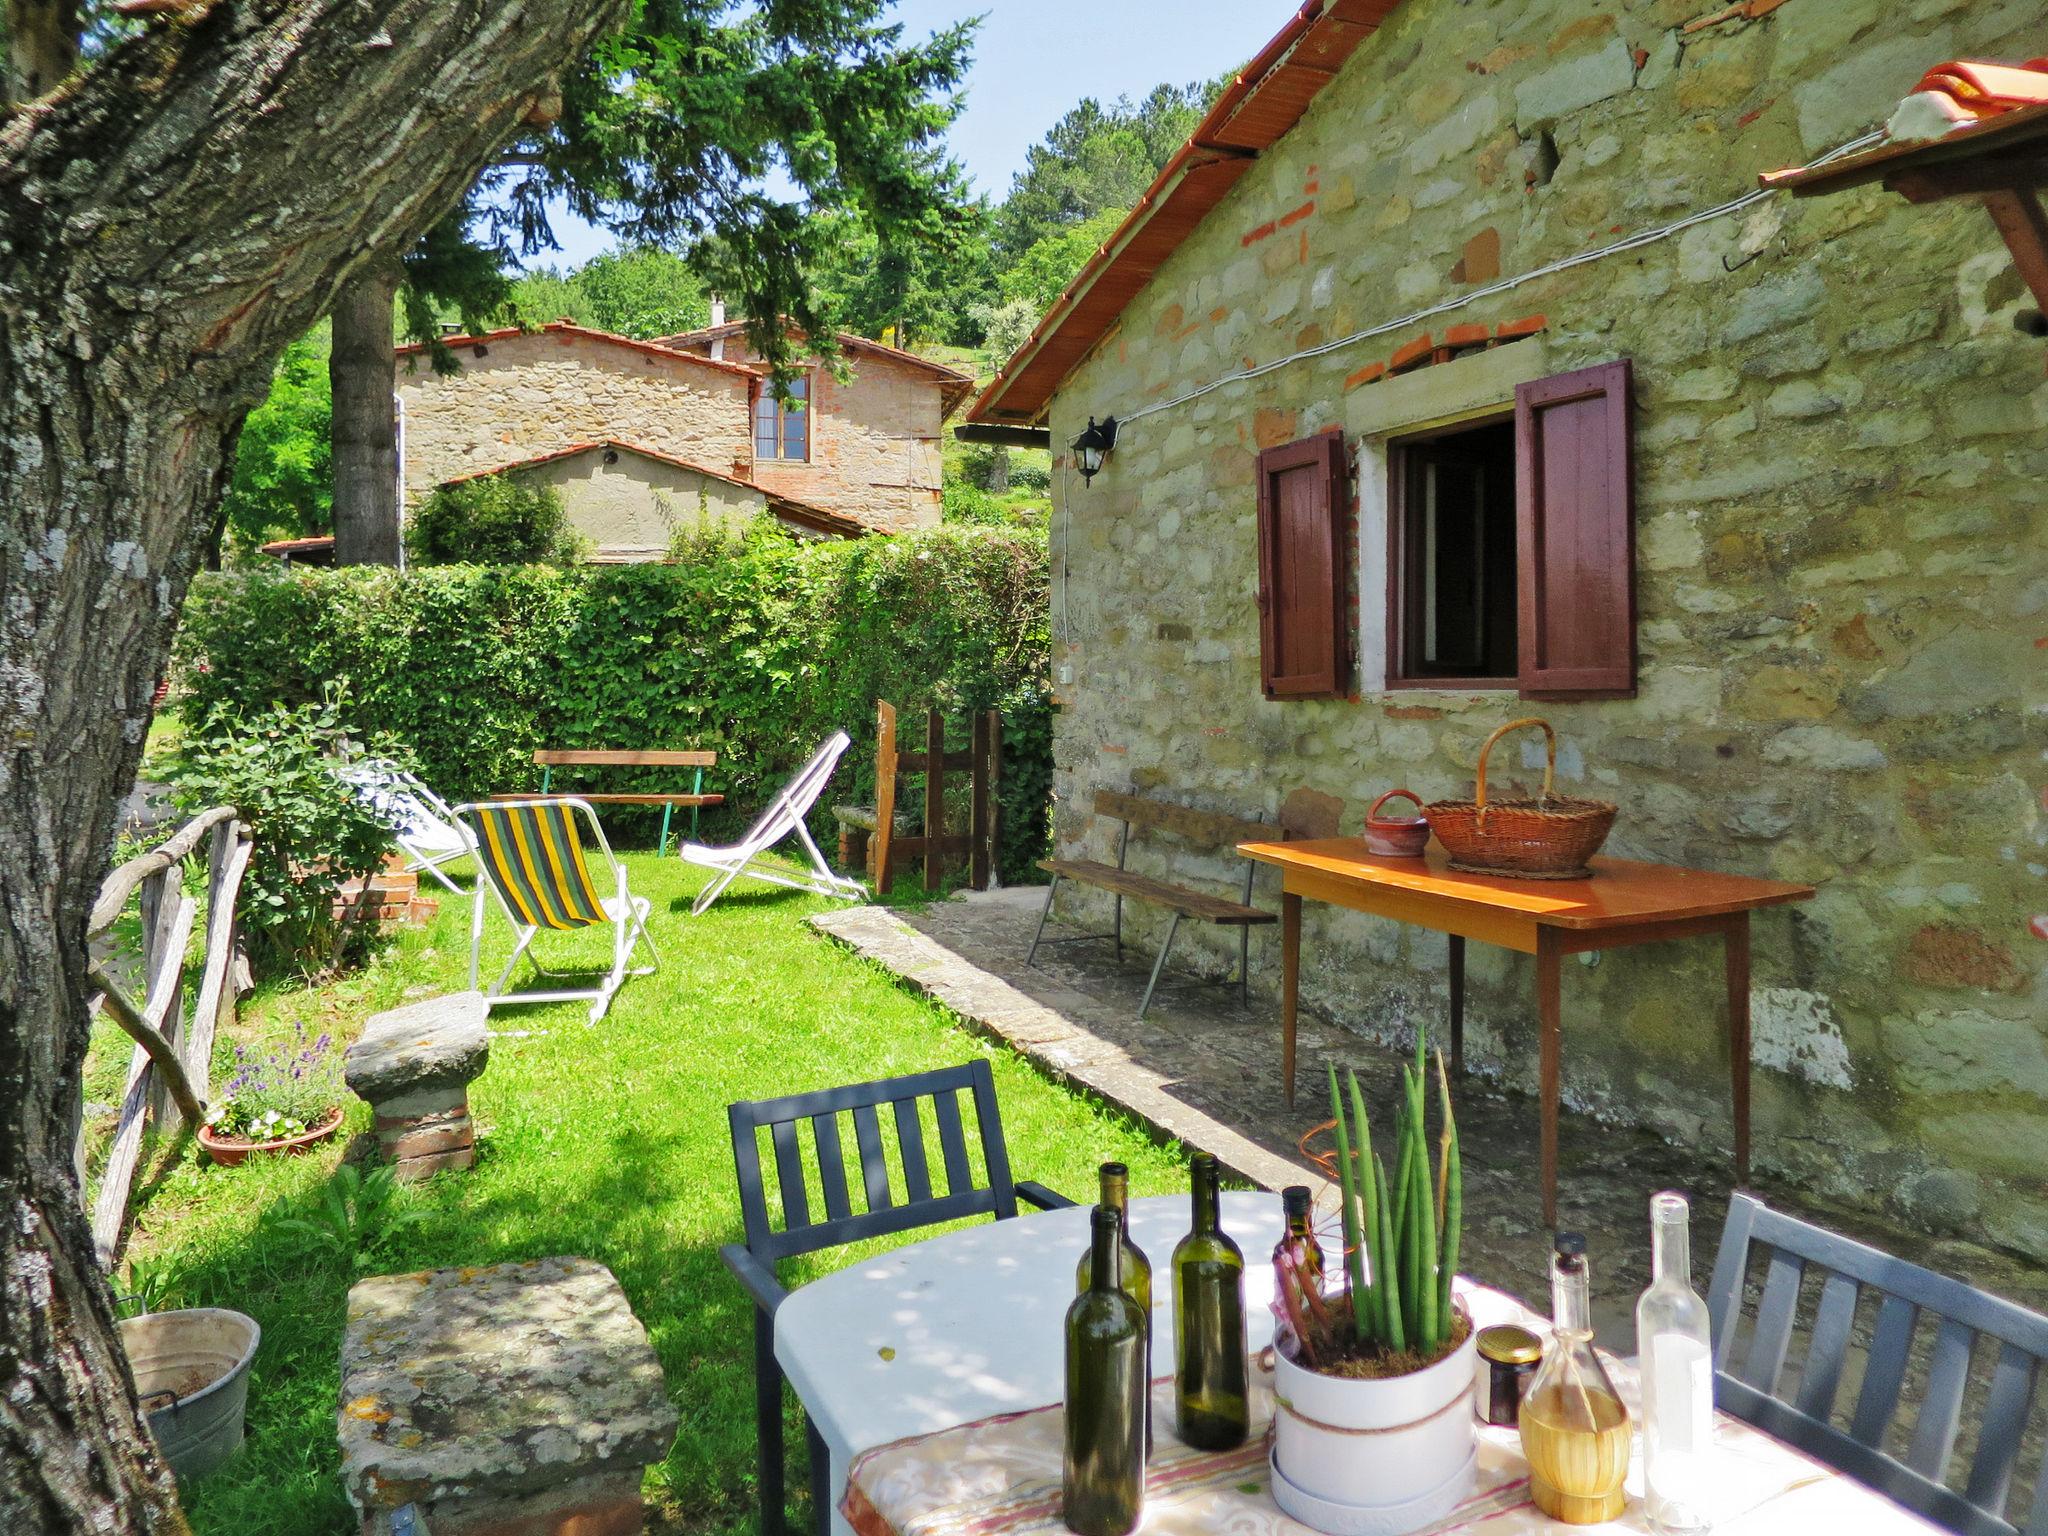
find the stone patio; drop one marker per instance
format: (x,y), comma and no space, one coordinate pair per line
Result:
(1206,1073)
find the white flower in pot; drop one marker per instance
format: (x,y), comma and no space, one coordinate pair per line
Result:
(1375,1434)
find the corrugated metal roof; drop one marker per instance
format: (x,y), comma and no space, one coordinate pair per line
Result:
(1254,111)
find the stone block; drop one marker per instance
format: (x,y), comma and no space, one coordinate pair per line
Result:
(437,1042)
(414,1065)
(430,1364)
(1574,84)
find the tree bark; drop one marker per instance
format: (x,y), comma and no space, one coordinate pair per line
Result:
(168,222)
(362,369)
(42,46)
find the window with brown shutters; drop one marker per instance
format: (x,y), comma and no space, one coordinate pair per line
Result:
(1511,546)
(1304,641)
(1575,518)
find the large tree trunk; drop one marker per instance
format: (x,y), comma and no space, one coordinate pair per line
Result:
(362,369)
(42,46)
(189,204)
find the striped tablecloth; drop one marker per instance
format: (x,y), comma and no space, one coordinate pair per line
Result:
(1001,1477)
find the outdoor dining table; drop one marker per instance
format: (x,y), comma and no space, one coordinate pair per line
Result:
(1624,902)
(934,1373)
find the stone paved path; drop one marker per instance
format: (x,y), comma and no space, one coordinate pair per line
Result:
(1206,1073)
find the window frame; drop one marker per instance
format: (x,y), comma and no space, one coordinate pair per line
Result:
(768,397)
(1401,585)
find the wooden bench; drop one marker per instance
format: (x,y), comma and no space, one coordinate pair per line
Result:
(695,800)
(1306,813)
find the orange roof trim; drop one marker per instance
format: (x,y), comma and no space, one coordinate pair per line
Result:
(953,383)
(1251,116)
(570,328)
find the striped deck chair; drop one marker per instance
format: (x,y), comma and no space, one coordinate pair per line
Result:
(533,861)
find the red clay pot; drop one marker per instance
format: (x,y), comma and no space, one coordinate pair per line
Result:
(230,1152)
(1401,837)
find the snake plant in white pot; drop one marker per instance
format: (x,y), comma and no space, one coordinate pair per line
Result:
(1375,1434)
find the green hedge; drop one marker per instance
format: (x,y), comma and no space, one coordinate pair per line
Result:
(755,650)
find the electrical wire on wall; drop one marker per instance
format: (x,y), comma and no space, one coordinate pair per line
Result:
(1577,259)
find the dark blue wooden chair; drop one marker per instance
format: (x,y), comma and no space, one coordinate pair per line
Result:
(805,1230)
(1961,1316)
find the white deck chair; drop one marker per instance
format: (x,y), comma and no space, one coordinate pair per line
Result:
(784,816)
(532,858)
(421,822)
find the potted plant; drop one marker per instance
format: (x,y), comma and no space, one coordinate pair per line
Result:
(281,1102)
(1375,1435)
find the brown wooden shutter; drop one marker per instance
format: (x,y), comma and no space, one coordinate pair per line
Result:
(1575,510)
(1304,650)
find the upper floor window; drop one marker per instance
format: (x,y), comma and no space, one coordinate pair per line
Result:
(782,428)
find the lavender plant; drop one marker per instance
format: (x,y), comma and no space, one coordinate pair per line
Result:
(284,1092)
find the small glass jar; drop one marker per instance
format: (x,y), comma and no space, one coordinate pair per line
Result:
(1508,1357)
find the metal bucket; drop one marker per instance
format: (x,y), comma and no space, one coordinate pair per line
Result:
(192,1374)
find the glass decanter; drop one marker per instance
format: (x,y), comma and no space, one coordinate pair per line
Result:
(1675,1348)
(1575,1431)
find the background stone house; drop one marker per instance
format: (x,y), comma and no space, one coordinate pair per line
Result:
(1778,578)
(641,435)
(871,444)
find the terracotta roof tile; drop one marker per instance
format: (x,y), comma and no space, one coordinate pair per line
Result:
(570,328)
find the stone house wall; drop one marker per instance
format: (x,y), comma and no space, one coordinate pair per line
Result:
(543,391)
(1840,526)
(875,440)
(630,509)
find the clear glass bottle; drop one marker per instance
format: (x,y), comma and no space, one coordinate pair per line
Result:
(1211,1404)
(1115,1195)
(1677,1361)
(1298,1200)
(1102,1475)
(1575,1431)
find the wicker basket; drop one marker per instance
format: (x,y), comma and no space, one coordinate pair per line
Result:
(1549,838)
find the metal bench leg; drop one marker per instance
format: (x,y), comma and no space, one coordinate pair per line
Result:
(666,812)
(1117,932)
(1042,916)
(1159,965)
(1244,965)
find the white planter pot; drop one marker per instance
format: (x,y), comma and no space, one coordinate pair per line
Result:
(1375,1458)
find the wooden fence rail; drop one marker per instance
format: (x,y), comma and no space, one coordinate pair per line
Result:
(170,1067)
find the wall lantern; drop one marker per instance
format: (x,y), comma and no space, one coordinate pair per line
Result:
(1093,445)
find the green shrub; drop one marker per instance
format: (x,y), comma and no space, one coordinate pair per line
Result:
(493,520)
(275,764)
(755,648)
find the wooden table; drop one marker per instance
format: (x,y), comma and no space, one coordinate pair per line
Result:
(1624,902)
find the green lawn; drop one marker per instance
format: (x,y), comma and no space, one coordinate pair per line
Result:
(608,1142)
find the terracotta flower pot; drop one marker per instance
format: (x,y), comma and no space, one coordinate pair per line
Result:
(229,1151)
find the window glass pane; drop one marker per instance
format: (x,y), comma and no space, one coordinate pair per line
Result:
(764,427)
(796,434)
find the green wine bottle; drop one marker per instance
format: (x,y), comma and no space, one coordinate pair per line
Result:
(1300,1238)
(1210,1407)
(1103,1475)
(1137,1269)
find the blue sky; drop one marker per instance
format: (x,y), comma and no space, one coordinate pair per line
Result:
(1035,58)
